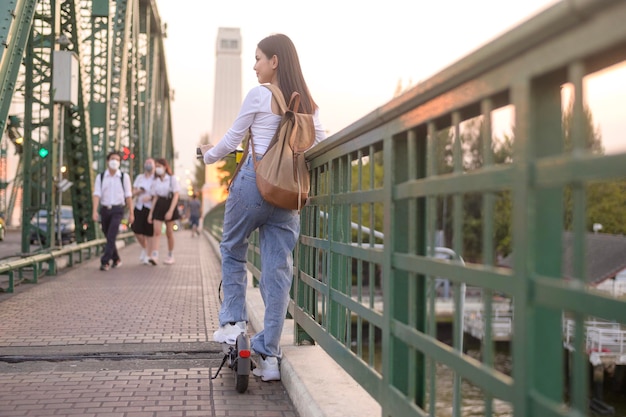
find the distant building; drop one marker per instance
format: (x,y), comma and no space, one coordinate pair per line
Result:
(227,99)
(605,261)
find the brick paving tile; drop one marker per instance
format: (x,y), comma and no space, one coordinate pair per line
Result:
(135,306)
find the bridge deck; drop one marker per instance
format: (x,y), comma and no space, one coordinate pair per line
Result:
(137,341)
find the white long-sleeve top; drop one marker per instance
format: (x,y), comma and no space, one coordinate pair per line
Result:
(255,114)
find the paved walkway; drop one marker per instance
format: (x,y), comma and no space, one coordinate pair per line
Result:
(131,342)
(137,342)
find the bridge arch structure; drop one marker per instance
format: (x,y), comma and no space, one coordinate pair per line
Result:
(79,78)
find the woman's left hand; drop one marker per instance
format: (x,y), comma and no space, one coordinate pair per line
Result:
(168,215)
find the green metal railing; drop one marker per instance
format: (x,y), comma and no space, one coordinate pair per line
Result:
(213,221)
(29,269)
(417,168)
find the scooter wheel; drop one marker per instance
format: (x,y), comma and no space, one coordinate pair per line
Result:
(242,363)
(241,383)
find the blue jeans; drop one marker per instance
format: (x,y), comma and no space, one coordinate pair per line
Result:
(279,229)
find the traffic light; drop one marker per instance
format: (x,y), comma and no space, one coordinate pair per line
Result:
(43,152)
(126,153)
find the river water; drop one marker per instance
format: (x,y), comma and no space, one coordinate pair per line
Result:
(473,399)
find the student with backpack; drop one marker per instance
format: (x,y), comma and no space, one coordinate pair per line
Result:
(276,63)
(112,195)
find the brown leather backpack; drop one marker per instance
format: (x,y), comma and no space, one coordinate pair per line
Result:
(282,175)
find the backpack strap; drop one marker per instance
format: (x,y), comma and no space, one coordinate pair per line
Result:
(277,94)
(246,149)
(121,179)
(278,97)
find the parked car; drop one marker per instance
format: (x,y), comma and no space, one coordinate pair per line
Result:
(39,226)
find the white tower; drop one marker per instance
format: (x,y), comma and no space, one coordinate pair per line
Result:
(226,103)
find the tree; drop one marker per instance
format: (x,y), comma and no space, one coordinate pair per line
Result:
(200,166)
(606,201)
(607,206)
(229,164)
(366,209)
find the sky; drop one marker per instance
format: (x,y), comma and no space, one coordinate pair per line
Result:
(353,54)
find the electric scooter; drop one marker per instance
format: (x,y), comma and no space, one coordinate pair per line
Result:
(238,359)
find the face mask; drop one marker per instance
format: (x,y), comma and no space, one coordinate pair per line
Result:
(160,171)
(114,164)
(148,167)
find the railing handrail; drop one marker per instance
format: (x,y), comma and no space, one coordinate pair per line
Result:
(51,255)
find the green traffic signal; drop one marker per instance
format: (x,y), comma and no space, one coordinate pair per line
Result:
(43,152)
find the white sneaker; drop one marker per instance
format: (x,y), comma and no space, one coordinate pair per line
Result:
(144,258)
(267,369)
(169,260)
(229,332)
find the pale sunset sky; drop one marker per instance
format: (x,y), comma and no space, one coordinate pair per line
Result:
(353,54)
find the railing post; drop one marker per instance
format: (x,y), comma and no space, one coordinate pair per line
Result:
(304,262)
(545,252)
(340,231)
(404,292)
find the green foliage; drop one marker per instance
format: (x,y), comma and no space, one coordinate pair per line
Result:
(502,223)
(229,165)
(200,167)
(607,206)
(227,169)
(605,200)
(592,136)
(365,181)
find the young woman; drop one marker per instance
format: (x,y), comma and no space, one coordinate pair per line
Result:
(276,63)
(164,208)
(143,202)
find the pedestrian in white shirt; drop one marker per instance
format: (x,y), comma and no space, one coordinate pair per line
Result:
(164,209)
(143,202)
(112,194)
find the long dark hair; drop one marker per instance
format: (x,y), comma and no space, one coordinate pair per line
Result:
(289,72)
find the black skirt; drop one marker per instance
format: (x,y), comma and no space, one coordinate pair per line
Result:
(161,207)
(141,225)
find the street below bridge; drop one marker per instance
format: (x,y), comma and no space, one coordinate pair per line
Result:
(11,246)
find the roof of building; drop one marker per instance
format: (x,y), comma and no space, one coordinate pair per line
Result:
(606,256)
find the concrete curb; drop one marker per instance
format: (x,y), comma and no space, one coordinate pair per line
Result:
(317,385)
